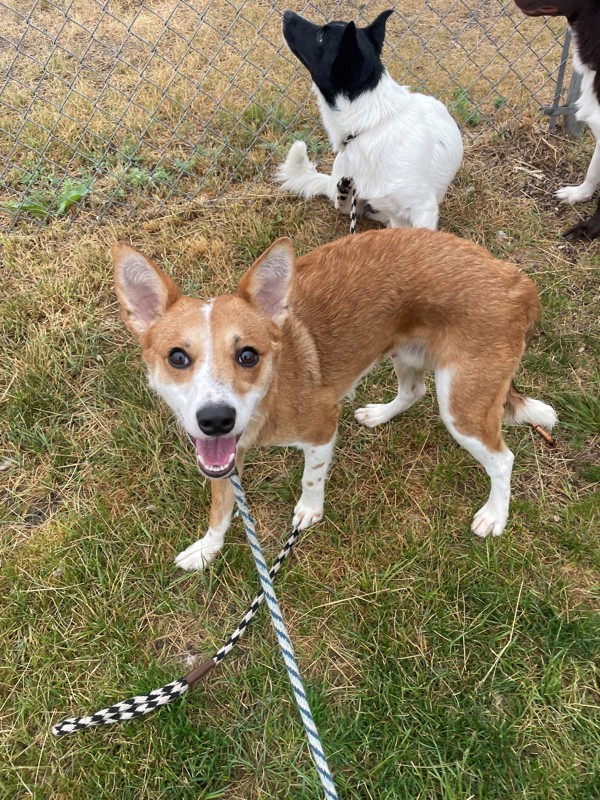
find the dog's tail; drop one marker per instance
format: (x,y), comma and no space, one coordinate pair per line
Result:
(299,175)
(519,409)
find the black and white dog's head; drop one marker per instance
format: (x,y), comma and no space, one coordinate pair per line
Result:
(341,58)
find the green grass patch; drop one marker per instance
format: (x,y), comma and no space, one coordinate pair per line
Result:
(439,666)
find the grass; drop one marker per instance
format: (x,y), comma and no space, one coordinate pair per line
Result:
(439,666)
(144,105)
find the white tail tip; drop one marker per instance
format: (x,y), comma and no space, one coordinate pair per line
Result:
(535,413)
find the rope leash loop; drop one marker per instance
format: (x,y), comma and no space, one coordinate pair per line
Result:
(285,643)
(143,704)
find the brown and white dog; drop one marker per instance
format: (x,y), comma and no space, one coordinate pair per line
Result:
(269,364)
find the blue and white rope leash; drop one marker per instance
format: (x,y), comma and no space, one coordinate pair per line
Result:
(285,644)
(143,704)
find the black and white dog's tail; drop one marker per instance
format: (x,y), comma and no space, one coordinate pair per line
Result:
(299,175)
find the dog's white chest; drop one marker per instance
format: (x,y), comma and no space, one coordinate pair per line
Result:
(588,105)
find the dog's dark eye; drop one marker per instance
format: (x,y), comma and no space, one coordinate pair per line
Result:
(179,359)
(247,357)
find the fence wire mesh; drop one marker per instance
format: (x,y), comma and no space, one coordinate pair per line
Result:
(109,109)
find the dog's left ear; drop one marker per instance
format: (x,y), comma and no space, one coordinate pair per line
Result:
(267,282)
(376,30)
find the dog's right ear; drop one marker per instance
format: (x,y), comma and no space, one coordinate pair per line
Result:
(144,290)
(267,282)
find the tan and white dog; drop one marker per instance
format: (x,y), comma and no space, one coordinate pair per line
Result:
(269,364)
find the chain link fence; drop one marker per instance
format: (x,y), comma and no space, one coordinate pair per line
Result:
(109,109)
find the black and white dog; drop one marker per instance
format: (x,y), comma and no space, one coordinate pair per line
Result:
(584,18)
(401,149)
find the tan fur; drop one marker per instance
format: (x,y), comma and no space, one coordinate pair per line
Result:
(421,294)
(466,307)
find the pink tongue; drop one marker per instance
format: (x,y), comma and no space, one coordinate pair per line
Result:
(216,452)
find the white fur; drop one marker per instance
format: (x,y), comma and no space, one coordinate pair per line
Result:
(533,412)
(406,151)
(199,554)
(588,110)
(309,509)
(186,398)
(492,517)
(410,389)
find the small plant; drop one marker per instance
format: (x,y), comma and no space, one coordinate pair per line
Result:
(45,194)
(140,177)
(188,165)
(71,192)
(36,205)
(462,107)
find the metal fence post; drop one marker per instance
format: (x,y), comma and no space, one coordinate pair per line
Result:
(573,127)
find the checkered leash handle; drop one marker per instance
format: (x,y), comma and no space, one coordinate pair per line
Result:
(144,704)
(285,644)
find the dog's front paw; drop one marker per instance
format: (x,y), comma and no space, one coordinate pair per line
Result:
(574,194)
(306,513)
(488,521)
(588,229)
(200,554)
(343,189)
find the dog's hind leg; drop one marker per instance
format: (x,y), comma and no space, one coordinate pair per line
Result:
(472,410)
(425,216)
(410,389)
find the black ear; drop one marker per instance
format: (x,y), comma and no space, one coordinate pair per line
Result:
(348,43)
(376,30)
(348,59)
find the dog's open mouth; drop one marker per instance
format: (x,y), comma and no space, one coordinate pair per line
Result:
(216,457)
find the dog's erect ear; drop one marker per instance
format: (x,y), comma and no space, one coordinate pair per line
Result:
(347,63)
(348,47)
(267,282)
(144,290)
(376,30)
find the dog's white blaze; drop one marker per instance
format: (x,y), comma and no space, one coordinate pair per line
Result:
(205,387)
(185,398)
(492,517)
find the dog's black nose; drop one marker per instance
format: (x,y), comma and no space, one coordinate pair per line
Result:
(215,420)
